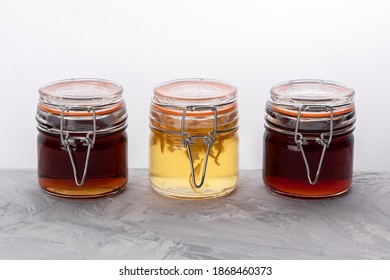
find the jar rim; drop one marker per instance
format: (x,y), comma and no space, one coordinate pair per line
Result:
(82,112)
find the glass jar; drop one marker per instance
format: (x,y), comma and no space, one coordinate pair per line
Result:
(82,142)
(308,141)
(194,139)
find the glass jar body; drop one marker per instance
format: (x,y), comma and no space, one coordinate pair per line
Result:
(170,171)
(284,169)
(106,172)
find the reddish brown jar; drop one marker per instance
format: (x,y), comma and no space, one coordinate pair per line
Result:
(308,141)
(82,142)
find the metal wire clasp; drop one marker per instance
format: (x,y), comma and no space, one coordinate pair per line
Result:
(188,140)
(300,140)
(86,140)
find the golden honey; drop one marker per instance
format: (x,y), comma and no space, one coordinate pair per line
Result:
(194,140)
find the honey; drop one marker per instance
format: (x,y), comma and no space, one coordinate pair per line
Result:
(82,142)
(308,142)
(194,139)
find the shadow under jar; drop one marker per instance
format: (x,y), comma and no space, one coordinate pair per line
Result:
(194,139)
(82,142)
(308,141)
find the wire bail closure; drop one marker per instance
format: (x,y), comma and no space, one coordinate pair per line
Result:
(188,140)
(86,140)
(300,140)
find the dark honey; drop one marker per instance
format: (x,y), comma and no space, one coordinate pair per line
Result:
(107,168)
(309,122)
(82,142)
(285,172)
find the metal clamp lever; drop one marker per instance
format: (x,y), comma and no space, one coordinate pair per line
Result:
(86,140)
(300,140)
(190,140)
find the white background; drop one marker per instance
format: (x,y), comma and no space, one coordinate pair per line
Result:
(252,44)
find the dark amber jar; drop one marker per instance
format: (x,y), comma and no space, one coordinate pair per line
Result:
(308,141)
(82,142)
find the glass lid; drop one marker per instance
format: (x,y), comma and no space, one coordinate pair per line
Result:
(315,97)
(195,92)
(81,92)
(312,92)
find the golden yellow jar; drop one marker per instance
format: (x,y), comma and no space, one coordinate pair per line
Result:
(194,139)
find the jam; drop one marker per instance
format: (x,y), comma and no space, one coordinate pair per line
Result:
(308,141)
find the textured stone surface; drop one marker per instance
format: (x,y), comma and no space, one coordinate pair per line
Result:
(251,223)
